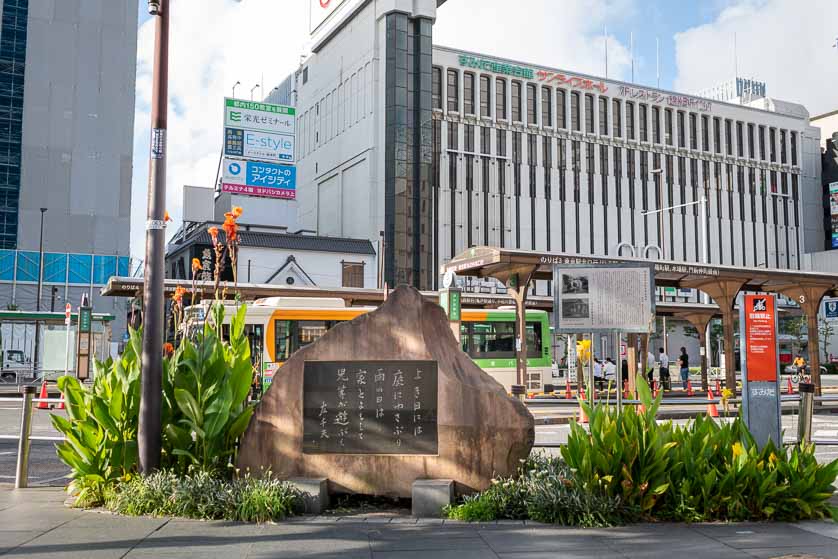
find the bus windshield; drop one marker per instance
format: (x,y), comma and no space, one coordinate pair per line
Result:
(496,340)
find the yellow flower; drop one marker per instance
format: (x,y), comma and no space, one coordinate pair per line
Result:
(772,458)
(737,450)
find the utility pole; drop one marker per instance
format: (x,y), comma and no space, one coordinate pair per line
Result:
(39,294)
(149,436)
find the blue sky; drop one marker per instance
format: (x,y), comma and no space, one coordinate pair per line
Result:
(215,43)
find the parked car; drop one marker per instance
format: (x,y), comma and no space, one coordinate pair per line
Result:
(14,364)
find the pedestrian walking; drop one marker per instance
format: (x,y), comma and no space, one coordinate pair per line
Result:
(650,367)
(684,363)
(663,359)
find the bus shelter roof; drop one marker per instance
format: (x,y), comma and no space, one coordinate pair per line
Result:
(500,263)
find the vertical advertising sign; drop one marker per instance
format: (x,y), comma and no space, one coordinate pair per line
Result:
(83,338)
(259,149)
(760,367)
(833,210)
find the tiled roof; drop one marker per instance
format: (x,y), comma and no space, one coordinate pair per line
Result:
(287,241)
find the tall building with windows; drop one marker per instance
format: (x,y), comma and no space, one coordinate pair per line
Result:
(444,149)
(67,82)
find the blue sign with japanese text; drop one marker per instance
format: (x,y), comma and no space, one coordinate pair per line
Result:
(257,178)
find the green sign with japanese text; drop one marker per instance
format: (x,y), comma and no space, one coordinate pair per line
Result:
(85,316)
(496,67)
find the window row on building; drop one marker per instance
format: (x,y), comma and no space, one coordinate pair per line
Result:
(585,197)
(516,101)
(22,266)
(538,153)
(336,111)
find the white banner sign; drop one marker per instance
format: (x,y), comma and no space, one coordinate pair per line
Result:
(603,298)
(261,146)
(253,115)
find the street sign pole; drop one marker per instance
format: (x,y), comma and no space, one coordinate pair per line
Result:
(759,355)
(149,437)
(84,347)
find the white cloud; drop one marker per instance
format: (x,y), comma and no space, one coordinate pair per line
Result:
(785,43)
(213,44)
(566,34)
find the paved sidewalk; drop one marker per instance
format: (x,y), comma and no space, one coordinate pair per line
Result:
(34,524)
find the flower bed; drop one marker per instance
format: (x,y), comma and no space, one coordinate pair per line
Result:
(628,467)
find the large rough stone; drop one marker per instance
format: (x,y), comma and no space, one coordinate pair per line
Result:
(482,432)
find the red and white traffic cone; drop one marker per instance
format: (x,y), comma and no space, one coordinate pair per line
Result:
(718,387)
(689,388)
(582,417)
(712,410)
(568,394)
(43,405)
(790,389)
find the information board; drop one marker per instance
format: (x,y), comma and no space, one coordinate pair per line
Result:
(603,298)
(370,407)
(830,309)
(760,366)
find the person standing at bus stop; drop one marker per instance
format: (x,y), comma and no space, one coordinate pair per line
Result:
(684,363)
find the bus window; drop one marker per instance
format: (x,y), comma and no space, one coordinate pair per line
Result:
(291,335)
(496,340)
(282,339)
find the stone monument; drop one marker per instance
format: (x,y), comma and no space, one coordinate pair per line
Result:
(384,400)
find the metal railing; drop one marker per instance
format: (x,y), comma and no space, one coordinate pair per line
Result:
(25,437)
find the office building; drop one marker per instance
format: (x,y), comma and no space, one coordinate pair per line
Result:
(67,82)
(444,149)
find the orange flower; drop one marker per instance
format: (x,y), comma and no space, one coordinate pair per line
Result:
(237,211)
(177,296)
(196,266)
(168,348)
(230,227)
(166,216)
(213,231)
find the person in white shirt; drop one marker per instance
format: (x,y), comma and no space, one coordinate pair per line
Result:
(650,367)
(598,380)
(663,359)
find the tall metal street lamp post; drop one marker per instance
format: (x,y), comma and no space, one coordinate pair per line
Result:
(149,436)
(39,294)
(252,89)
(235,85)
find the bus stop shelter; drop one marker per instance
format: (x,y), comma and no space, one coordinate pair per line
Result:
(517,269)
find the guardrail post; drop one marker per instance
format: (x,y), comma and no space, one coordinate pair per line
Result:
(22,471)
(804,417)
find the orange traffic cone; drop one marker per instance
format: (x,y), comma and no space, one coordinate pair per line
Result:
(718,387)
(656,388)
(582,417)
(61,402)
(790,389)
(567,392)
(712,411)
(626,393)
(689,388)
(42,405)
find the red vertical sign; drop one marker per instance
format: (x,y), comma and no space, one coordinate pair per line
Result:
(760,338)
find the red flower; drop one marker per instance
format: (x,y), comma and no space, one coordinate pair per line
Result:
(168,348)
(213,231)
(177,296)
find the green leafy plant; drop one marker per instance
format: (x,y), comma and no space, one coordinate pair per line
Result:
(625,454)
(544,490)
(203,495)
(205,390)
(101,425)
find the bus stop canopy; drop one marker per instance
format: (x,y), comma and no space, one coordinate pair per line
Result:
(518,268)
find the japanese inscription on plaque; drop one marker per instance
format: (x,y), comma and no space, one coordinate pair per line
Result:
(370,407)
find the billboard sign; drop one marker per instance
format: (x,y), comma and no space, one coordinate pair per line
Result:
(255,144)
(254,115)
(760,366)
(833,210)
(255,178)
(603,298)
